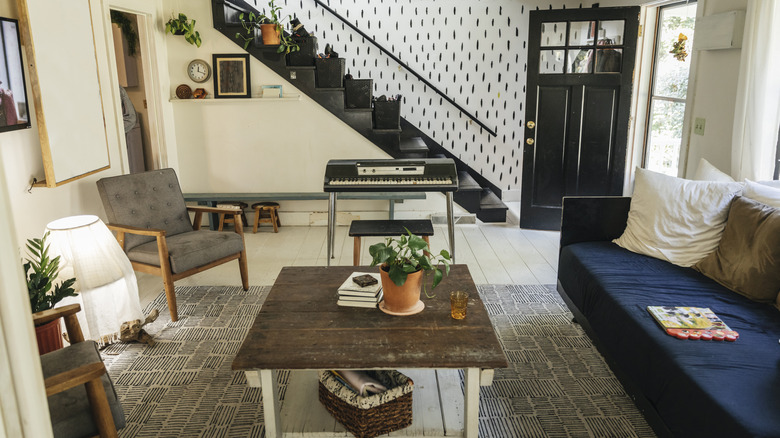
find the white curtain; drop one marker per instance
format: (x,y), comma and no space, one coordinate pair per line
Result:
(757,110)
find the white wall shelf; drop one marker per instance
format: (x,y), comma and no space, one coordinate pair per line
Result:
(285,98)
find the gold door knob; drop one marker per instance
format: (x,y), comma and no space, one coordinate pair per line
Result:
(530,124)
(530,141)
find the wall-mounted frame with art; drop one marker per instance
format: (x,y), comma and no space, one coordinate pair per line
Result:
(14,113)
(231,75)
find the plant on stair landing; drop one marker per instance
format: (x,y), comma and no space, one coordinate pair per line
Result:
(407,258)
(272,25)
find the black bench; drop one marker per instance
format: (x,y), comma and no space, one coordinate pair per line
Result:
(358,229)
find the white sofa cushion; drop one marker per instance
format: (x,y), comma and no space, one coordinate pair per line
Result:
(707,172)
(762,192)
(675,219)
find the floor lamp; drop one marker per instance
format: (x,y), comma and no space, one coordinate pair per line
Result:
(105,281)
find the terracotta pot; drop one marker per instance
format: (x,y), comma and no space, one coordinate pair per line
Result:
(270,34)
(49,336)
(405,299)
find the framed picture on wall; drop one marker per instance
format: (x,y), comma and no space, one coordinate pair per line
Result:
(13,91)
(231,75)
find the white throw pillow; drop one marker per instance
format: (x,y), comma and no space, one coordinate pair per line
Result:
(707,172)
(675,219)
(771,183)
(762,193)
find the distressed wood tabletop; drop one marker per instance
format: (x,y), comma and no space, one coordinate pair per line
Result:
(300,326)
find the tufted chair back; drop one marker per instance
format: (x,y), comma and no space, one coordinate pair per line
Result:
(146,200)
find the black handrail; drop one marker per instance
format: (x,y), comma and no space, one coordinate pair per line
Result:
(403,64)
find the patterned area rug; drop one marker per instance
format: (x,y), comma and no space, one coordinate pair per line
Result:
(557,384)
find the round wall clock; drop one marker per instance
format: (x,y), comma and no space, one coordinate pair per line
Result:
(199,70)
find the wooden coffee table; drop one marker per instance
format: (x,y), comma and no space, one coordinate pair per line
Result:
(300,327)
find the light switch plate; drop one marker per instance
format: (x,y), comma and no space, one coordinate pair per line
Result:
(698,126)
(293,75)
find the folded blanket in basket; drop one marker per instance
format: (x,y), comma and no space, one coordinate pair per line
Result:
(360,382)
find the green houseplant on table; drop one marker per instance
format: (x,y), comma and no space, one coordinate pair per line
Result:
(40,271)
(271,27)
(182,26)
(403,261)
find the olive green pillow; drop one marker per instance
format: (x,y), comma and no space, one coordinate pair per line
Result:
(747,259)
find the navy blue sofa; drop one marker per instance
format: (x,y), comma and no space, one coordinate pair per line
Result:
(684,388)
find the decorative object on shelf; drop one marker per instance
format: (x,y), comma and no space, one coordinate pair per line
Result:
(107,286)
(402,262)
(183,91)
(231,75)
(272,91)
(199,70)
(271,27)
(678,48)
(41,271)
(199,93)
(182,26)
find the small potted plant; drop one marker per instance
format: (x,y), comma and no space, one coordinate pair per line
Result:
(40,270)
(182,26)
(271,28)
(403,261)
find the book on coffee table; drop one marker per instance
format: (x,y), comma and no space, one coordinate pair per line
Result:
(351,301)
(350,287)
(692,323)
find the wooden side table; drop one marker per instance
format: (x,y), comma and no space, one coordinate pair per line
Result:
(266,212)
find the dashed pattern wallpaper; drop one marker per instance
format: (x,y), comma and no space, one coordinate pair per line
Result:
(475,52)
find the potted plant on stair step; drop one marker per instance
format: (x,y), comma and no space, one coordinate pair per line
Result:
(404,263)
(41,271)
(271,29)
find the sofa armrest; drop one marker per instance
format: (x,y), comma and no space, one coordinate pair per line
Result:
(593,218)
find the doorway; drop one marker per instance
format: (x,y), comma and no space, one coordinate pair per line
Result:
(580,68)
(132,63)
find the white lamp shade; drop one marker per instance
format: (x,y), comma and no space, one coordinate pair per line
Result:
(105,281)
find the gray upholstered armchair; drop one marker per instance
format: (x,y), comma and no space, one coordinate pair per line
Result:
(81,396)
(152,222)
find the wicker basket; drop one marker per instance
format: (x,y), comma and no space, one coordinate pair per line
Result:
(377,414)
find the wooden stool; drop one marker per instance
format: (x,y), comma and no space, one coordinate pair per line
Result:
(266,212)
(387,228)
(235,205)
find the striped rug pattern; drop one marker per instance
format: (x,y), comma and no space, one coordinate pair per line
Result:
(557,384)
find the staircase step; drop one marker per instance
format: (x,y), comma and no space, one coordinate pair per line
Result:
(413,148)
(467,183)
(491,209)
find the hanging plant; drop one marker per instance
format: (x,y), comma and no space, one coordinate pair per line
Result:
(678,48)
(127,28)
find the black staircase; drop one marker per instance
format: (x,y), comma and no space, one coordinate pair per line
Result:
(475,193)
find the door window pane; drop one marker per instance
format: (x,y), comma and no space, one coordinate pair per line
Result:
(611,32)
(608,60)
(581,33)
(553,34)
(580,61)
(551,61)
(671,74)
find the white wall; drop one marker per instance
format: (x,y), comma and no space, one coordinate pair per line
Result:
(714,96)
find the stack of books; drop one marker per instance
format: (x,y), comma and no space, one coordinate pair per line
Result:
(352,294)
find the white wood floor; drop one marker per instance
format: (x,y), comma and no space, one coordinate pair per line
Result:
(495,254)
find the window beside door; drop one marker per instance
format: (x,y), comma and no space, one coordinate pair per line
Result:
(669,88)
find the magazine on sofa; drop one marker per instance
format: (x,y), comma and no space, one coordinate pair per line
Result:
(692,323)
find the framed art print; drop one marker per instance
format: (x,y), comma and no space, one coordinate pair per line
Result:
(231,75)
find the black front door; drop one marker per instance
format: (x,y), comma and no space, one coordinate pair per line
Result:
(580,67)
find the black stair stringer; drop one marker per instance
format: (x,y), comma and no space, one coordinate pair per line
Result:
(225,15)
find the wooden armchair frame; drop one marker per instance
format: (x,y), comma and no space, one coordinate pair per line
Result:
(88,375)
(164,270)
